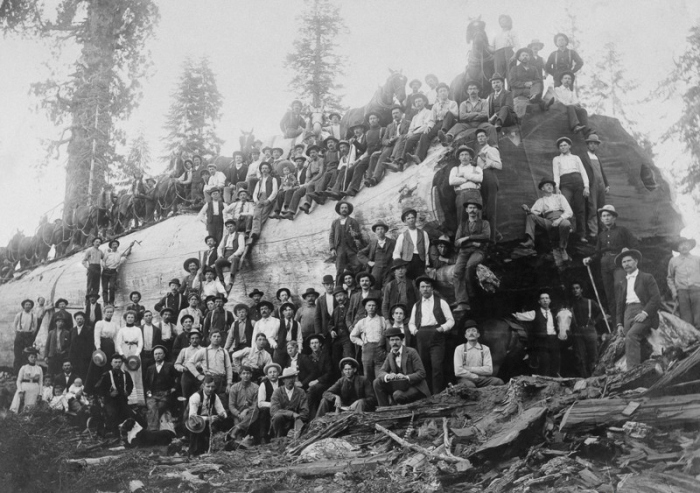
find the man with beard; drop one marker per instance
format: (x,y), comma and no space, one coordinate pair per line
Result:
(524,78)
(473,115)
(412,245)
(218,319)
(345,240)
(82,345)
(160,386)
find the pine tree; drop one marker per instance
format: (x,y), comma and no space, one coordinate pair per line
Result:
(194,112)
(136,163)
(315,61)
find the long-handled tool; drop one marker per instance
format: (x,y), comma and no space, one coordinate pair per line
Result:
(595,289)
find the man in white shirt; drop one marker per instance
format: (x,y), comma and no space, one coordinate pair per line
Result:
(204,405)
(241,210)
(264,197)
(418,127)
(565,95)
(551,212)
(472,360)
(188,380)
(217,180)
(443,114)
(213,361)
(257,357)
(571,179)
(267,325)
(466,180)
(111,261)
(289,407)
(412,246)
(333,127)
(431,319)
(368,333)
(488,159)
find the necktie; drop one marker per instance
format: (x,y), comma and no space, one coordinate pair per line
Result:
(58,341)
(402,292)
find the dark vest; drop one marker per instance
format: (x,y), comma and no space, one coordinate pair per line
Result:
(282,334)
(437,311)
(210,211)
(268,390)
(212,401)
(407,247)
(268,186)
(248,333)
(161,382)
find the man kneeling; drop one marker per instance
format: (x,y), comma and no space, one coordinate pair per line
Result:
(289,407)
(351,392)
(402,376)
(472,360)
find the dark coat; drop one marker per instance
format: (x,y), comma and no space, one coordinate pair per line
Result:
(390,130)
(81,348)
(234,175)
(348,233)
(157,336)
(61,379)
(321,317)
(318,370)
(411,365)
(105,384)
(589,168)
(98,312)
(390,297)
(356,310)
(495,104)
(350,391)
(280,403)
(168,376)
(51,349)
(648,292)
(175,301)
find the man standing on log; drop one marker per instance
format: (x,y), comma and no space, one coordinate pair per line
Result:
(471,240)
(212,215)
(563,59)
(431,320)
(524,77)
(344,240)
(293,124)
(612,239)
(473,114)
(111,261)
(684,281)
(401,378)
(92,261)
(598,183)
(488,158)
(392,145)
(412,246)
(638,302)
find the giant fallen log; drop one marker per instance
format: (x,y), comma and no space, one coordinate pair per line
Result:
(682,371)
(518,434)
(643,375)
(659,482)
(666,411)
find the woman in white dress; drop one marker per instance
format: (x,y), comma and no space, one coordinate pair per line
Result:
(130,343)
(104,336)
(29,381)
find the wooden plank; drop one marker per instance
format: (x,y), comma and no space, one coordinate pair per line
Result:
(521,429)
(326,467)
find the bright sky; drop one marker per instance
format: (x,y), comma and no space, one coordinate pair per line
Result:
(247,41)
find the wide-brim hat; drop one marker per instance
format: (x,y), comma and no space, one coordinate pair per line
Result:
(237,153)
(360,275)
(135,292)
(474,201)
(536,42)
(442,85)
(397,263)
(266,148)
(113,241)
(544,181)
(378,224)
(79,313)
(349,360)
(497,76)
(241,306)
(431,76)
(91,295)
(394,332)
(299,158)
(160,346)
(59,301)
(308,292)
(30,350)
(370,298)
(472,82)
(566,72)
(562,35)
(190,260)
(229,221)
(267,304)
(336,114)
(99,358)
(286,305)
(312,148)
(341,202)
(594,138)
(209,236)
(375,113)
(195,424)
(420,95)
(608,208)
(461,149)
(443,240)
(407,211)
(166,309)
(320,337)
(254,292)
(685,240)
(415,81)
(133,363)
(271,365)
(27,301)
(427,279)
(338,290)
(523,50)
(636,254)
(563,139)
(278,149)
(288,373)
(174,280)
(280,290)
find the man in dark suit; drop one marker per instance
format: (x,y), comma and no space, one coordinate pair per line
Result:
(338,335)
(66,378)
(598,183)
(152,337)
(288,412)
(402,376)
(160,386)
(174,299)
(93,310)
(241,333)
(500,104)
(379,254)
(319,377)
(399,290)
(324,307)
(115,386)
(82,344)
(57,346)
(351,392)
(236,173)
(373,136)
(638,302)
(393,142)
(345,240)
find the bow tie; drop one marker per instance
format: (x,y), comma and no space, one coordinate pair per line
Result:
(396,353)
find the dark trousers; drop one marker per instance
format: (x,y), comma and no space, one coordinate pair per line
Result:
(595,200)
(489,195)
(411,143)
(109,284)
(480,382)
(586,350)
(22,340)
(577,116)
(343,179)
(689,306)
(501,59)
(341,347)
(634,332)
(345,259)
(264,424)
(431,348)
(610,274)
(228,257)
(315,396)
(415,267)
(506,117)
(400,392)
(462,196)
(157,405)
(297,196)
(360,168)
(424,144)
(327,405)
(215,228)
(281,424)
(373,356)
(465,273)
(116,410)
(560,233)
(189,384)
(284,199)
(93,278)
(571,186)
(328,179)
(548,356)
(533,93)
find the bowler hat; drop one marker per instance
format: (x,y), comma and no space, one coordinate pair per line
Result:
(92,295)
(229,221)
(209,236)
(195,424)
(561,35)
(408,211)
(636,254)
(254,292)
(469,323)
(427,279)
(350,361)
(241,306)
(394,332)
(272,365)
(397,263)
(27,301)
(341,202)
(308,292)
(113,241)
(280,290)
(378,224)
(497,76)
(338,290)
(563,139)
(461,149)
(608,208)
(267,304)
(360,275)
(99,358)
(327,279)
(544,181)
(133,363)
(594,138)
(174,280)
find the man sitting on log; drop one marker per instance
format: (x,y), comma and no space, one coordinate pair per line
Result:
(402,377)
(373,136)
(331,161)
(418,127)
(524,79)
(471,240)
(473,115)
(472,360)
(638,302)
(352,392)
(289,408)
(217,180)
(442,117)
(565,95)
(293,124)
(230,251)
(551,212)
(242,210)
(314,174)
(392,147)
(500,105)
